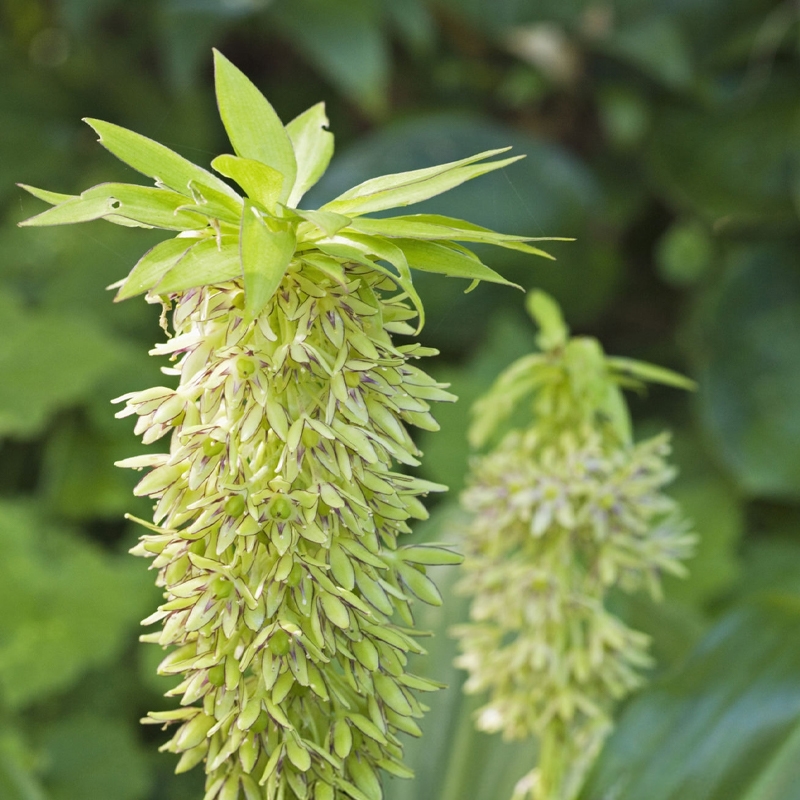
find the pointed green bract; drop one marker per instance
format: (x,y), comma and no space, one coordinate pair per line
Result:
(397,180)
(417,226)
(154,160)
(76,209)
(43,194)
(327,221)
(156,208)
(403,189)
(142,205)
(641,371)
(265,257)
(409,227)
(313,149)
(253,127)
(259,181)
(207,262)
(152,267)
(434,257)
(387,251)
(470,228)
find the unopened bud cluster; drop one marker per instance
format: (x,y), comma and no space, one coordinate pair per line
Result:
(278,517)
(563,510)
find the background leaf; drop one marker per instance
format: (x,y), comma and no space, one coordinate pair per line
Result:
(95,758)
(724,726)
(48,361)
(344,38)
(61,627)
(748,351)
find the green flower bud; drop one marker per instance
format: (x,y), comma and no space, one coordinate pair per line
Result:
(216,675)
(235,506)
(221,587)
(245,367)
(295,576)
(280,508)
(279,642)
(261,723)
(211,448)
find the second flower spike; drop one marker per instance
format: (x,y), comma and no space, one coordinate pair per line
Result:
(564,508)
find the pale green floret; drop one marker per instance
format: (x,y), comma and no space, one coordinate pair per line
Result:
(287,596)
(562,510)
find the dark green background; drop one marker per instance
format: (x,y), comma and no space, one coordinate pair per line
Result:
(663,134)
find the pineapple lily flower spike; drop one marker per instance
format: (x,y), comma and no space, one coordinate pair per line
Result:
(277,511)
(563,508)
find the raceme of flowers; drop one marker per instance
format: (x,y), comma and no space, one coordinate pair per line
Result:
(562,510)
(278,508)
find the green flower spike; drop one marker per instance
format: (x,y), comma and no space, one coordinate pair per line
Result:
(277,512)
(563,510)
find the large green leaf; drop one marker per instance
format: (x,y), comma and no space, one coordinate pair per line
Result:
(253,127)
(656,46)
(95,758)
(703,160)
(716,510)
(16,763)
(78,479)
(725,727)
(345,40)
(74,607)
(747,349)
(48,361)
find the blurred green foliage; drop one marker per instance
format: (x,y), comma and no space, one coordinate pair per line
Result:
(663,134)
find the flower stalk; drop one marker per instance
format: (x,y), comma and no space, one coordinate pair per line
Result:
(564,509)
(279,511)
